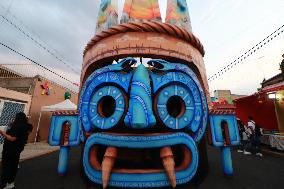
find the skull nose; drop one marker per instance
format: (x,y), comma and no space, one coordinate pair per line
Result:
(140,114)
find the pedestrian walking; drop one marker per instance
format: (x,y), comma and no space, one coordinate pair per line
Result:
(16,137)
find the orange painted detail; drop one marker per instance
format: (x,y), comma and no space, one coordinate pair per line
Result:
(108,15)
(65,134)
(141,10)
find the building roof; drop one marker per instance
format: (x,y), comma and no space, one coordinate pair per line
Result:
(8,73)
(26,70)
(223,109)
(222,112)
(274,87)
(62,106)
(66,113)
(273,80)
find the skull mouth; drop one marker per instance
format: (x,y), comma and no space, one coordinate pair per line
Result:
(133,160)
(168,156)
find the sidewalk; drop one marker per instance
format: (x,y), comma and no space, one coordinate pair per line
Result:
(34,150)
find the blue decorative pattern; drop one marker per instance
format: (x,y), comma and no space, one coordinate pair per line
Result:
(107,75)
(217,138)
(141,180)
(55,132)
(140,102)
(183,120)
(107,122)
(135,89)
(63,160)
(226,159)
(216,131)
(183,74)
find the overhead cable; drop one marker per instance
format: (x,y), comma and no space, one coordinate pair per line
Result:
(248,53)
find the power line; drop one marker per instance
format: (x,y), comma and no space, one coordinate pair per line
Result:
(37,43)
(248,53)
(15,51)
(31,31)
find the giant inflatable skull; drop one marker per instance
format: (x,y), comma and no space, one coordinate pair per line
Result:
(141,121)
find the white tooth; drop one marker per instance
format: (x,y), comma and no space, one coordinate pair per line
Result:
(107,164)
(169,164)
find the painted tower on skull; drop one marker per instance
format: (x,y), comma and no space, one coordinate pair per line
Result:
(142,123)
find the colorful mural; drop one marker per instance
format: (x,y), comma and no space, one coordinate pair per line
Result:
(108,15)
(141,10)
(177,14)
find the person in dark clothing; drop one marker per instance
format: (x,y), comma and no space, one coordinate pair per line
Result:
(257,144)
(243,136)
(16,137)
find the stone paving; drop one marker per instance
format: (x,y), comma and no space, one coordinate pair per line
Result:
(34,150)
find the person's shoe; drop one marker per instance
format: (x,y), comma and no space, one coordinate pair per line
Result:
(240,151)
(247,153)
(259,154)
(10,185)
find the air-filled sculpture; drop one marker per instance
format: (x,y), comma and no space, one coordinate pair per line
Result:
(143,107)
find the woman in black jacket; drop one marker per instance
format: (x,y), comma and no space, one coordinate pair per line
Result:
(16,137)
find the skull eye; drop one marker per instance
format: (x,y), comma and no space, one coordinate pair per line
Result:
(107,107)
(174,106)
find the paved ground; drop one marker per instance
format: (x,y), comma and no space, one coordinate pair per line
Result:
(34,149)
(250,173)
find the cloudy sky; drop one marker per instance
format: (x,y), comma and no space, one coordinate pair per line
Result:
(227,28)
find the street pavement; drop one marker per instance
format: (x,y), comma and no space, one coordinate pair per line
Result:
(251,172)
(34,150)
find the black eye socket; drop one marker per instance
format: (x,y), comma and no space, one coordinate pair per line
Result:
(175,106)
(106,106)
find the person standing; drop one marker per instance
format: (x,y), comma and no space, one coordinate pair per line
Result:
(16,137)
(251,135)
(243,136)
(257,143)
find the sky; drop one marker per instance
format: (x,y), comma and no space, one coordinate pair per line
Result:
(226,28)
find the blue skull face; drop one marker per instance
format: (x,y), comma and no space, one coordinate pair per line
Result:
(143,123)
